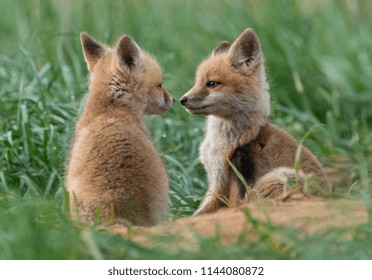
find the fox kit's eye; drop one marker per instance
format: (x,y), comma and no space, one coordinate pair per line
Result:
(212,84)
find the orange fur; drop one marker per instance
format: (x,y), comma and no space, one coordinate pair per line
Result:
(231,88)
(114,167)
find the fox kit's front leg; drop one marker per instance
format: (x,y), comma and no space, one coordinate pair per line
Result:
(212,155)
(210,201)
(216,197)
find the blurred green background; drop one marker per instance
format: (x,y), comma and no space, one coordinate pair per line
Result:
(318,59)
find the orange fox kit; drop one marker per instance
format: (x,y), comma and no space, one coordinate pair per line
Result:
(114,168)
(231,88)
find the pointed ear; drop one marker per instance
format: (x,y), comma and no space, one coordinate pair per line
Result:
(222,48)
(92,50)
(245,50)
(129,53)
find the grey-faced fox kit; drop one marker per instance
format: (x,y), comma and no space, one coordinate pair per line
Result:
(231,88)
(114,169)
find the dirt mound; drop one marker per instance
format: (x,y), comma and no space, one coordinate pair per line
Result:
(306,213)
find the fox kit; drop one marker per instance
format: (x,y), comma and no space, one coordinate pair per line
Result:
(231,88)
(114,169)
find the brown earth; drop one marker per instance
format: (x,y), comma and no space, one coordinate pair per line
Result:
(306,213)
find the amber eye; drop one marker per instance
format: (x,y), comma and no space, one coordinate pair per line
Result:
(212,84)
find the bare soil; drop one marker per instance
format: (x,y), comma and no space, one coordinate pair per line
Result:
(306,213)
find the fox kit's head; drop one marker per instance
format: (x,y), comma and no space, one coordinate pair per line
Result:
(124,76)
(231,81)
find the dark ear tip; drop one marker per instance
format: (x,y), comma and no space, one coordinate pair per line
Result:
(125,40)
(222,48)
(83,36)
(86,39)
(225,43)
(250,36)
(249,31)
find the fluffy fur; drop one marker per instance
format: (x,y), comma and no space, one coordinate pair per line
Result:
(231,88)
(114,169)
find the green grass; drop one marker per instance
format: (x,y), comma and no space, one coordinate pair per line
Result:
(319,64)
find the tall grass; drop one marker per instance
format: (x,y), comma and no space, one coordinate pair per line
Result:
(318,60)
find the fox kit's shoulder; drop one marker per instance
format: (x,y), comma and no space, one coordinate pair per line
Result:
(114,167)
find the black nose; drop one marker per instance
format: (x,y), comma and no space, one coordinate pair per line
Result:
(183,100)
(174,100)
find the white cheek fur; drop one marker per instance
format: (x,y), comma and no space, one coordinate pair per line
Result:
(238,101)
(214,98)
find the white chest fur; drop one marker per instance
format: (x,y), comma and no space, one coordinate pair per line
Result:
(213,151)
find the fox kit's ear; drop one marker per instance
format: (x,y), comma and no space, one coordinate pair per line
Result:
(245,50)
(128,53)
(222,48)
(92,50)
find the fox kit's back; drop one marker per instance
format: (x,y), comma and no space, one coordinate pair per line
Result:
(114,170)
